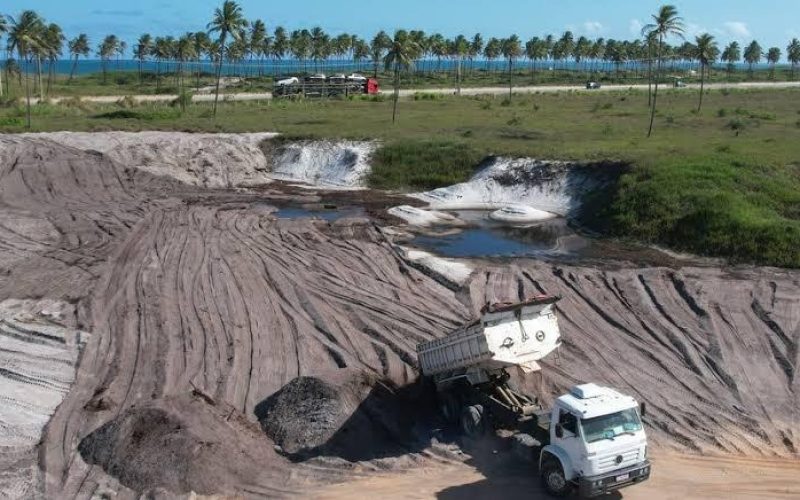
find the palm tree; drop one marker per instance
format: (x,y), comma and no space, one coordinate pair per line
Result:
(459,50)
(280,43)
(402,52)
(651,40)
(122,46)
(184,52)
(492,50)
(300,45)
(53,39)
(78,46)
(665,23)
(320,46)
(793,54)
(161,51)
(142,50)
(752,55)
(475,48)
(3,29)
(706,52)
(380,43)
(202,45)
(731,55)
(106,50)
(512,50)
(773,56)
(228,19)
(258,35)
(25,37)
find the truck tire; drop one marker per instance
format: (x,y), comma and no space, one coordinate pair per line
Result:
(553,478)
(473,421)
(449,406)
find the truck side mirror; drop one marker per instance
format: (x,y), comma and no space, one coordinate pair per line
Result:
(643,409)
(559,431)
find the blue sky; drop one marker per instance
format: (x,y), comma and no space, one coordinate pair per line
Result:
(772,23)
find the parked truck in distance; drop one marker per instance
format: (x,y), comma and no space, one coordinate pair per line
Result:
(591,439)
(319,85)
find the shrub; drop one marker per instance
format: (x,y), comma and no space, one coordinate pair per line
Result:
(183,100)
(127,102)
(722,112)
(737,125)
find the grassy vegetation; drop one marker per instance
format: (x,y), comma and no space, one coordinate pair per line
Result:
(419,165)
(129,83)
(725,181)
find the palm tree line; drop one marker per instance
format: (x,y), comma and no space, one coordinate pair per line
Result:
(253,49)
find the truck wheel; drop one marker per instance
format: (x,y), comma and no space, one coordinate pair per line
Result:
(553,478)
(473,422)
(449,406)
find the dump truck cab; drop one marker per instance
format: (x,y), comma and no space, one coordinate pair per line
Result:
(596,442)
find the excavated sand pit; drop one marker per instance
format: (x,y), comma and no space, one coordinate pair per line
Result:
(202,304)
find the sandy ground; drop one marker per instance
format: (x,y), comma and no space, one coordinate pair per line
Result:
(675,477)
(201,304)
(260,96)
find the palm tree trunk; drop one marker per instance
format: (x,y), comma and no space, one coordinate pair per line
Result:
(510,79)
(74,67)
(650,79)
(219,70)
(702,84)
(655,92)
(458,77)
(103,63)
(39,77)
(396,91)
(28,98)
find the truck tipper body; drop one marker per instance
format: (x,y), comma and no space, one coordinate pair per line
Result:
(592,438)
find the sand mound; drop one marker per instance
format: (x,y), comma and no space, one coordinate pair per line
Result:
(207,160)
(305,413)
(184,444)
(549,186)
(357,419)
(336,164)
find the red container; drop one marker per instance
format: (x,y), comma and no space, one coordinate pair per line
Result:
(372,86)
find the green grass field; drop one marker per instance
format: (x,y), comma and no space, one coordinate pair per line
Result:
(725,181)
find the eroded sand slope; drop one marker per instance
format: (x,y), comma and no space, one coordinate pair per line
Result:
(201,304)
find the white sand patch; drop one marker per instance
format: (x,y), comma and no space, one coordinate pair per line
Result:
(520,214)
(506,182)
(37,357)
(208,160)
(337,164)
(421,217)
(451,270)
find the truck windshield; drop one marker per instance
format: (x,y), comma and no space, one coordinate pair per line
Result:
(611,425)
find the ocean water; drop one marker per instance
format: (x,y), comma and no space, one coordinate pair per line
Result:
(291,66)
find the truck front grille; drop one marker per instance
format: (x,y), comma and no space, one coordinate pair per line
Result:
(611,461)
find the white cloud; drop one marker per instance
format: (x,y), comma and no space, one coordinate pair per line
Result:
(592,27)
(737,29)
(635,27)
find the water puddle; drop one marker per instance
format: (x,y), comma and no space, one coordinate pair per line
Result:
(487,238)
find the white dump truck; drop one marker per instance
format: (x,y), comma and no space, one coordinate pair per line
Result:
(591,439)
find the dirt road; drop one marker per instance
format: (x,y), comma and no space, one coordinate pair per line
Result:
(260,96)
(675,477)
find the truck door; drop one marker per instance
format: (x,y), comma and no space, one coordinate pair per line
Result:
(567,437)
